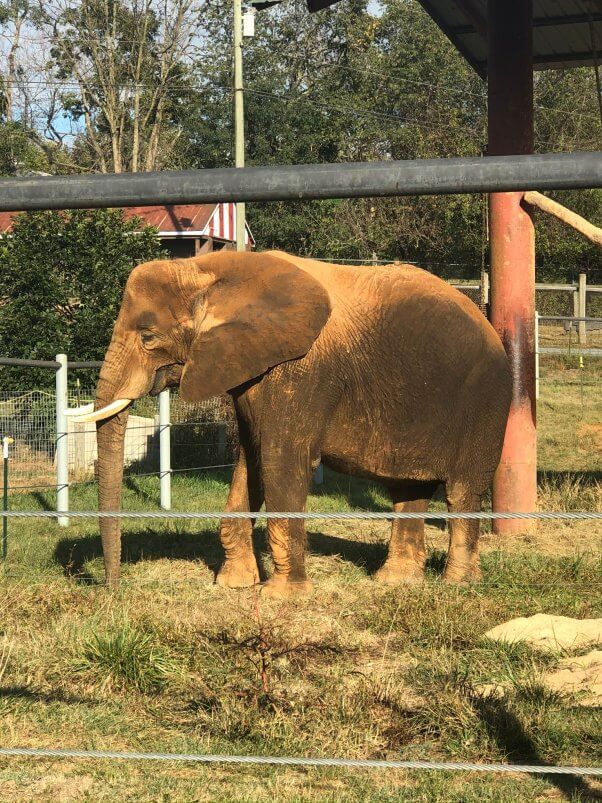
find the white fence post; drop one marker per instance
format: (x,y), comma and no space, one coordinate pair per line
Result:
(62,442)
(536,354)
(484,288)
(165,449)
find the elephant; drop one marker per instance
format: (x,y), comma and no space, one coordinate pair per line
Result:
(386,373)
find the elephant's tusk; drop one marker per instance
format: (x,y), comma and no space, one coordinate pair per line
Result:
(104,412)
(83,410)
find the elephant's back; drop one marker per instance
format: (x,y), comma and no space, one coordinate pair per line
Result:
(422,316)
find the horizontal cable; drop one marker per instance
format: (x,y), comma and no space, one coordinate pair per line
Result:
(569,318)
(262,514)
(35,752)
(577,351)
(135,474)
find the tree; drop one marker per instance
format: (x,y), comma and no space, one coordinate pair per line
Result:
(62,276)
(128,64)
(20,151)
(348,84)
(15,13)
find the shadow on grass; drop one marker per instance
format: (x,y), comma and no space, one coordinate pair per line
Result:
(515,742)
(27,693)
(367,556)
(73,554)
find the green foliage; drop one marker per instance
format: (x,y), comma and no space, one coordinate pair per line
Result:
(20,151)
(62,276)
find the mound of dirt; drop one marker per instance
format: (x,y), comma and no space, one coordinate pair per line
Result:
(545,632)
(581,675)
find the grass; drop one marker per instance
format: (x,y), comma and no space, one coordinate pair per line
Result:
(172,663)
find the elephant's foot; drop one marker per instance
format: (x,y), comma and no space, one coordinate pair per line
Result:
(398,572)
(462,574)
(280,587)
(238,573)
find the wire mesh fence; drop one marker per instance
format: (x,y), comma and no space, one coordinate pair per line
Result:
(203,436)
(565,335)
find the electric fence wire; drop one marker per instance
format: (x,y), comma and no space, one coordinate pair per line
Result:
(536,769)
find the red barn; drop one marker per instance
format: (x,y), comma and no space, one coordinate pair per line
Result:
(185,229)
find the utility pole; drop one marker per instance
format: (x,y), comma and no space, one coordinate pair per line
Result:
(239,119)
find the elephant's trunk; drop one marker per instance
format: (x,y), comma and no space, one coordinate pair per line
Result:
(110,434)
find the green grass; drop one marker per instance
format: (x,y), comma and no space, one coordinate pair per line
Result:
(172,663)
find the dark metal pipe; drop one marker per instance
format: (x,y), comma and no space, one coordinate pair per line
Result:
(12,361)
(295,182)
(88,364)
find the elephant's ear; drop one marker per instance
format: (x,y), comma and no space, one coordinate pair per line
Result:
(260,311)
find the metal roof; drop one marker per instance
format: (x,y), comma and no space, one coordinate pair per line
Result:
(562,31)
(176,220)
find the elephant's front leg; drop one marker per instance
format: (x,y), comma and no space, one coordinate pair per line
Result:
(240,567)
(286,477)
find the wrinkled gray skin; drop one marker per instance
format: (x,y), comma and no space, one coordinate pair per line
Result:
(386,373)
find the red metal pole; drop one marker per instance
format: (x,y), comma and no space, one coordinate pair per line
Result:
(510,131)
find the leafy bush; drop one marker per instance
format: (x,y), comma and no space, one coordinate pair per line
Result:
(62,275)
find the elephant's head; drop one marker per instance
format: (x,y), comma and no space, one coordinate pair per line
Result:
(208,324)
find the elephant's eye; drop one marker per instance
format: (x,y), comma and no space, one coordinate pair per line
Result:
(147,338)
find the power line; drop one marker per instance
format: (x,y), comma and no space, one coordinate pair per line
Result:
(409,121)
(393,76)
(457,90)
(174,89)
(349,110)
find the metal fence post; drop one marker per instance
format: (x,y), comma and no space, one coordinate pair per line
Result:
(165,449)
(6,441)
(536,354)
(582,308)
(319,475)
(62,441)
(484,289)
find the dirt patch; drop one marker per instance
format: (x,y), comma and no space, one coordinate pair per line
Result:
(545,632)
(57,787)
(581,675)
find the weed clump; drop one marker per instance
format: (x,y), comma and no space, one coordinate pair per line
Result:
(126,657)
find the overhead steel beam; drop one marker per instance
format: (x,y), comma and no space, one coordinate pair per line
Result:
(296,182)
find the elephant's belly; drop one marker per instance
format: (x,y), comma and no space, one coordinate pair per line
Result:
(388,455)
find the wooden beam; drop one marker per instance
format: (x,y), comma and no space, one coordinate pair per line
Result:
(572,219)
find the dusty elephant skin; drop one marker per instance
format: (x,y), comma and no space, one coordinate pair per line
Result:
(386,373)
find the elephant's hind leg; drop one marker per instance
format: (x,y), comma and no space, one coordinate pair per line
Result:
(463,563)
(240,566)
(407,550)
